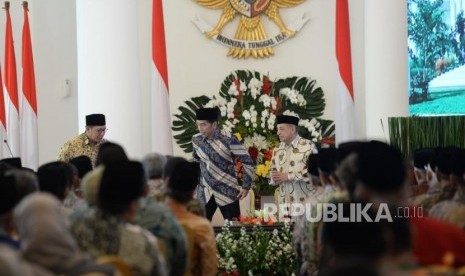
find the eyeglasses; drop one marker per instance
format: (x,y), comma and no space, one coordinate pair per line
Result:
(101,130)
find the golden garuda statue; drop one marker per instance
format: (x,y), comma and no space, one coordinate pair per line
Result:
(250,38)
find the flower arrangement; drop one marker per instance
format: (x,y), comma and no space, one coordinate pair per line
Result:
(256,253)
(249,103)
(258,217)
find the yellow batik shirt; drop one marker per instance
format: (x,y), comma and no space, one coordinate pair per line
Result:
(78,146)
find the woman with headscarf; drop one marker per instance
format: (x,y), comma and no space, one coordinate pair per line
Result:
(46,239)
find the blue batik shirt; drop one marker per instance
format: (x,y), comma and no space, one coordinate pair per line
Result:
(218,169)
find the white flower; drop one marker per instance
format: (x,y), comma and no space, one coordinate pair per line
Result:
(274,103)
(271,121)
(246,115)
(266,100)
(242,86)
(255,87)
(293,96)
(253,116)
(223,111)
(291,113)
(265,114)
(233,90)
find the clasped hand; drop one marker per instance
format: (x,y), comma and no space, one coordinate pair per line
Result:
(278,177)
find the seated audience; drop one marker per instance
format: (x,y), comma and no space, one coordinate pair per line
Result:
(385,243)
(110,152)
(11,264)
(443,208)
(46,240)
(161,222)
(15,185)
(443,189)
(306,238)
(180,190)
(381,175)
(421,159)
(153,165)
(56,178)
(80,165)
(106,230)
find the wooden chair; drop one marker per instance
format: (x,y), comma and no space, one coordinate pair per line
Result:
(121,267)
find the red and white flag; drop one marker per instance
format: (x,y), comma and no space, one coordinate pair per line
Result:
(29,133)
(345,103)
(11,87)
(161,119)
(4,152)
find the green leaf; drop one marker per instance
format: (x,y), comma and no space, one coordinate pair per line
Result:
(184,122)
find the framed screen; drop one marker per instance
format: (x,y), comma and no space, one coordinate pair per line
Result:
(436,49)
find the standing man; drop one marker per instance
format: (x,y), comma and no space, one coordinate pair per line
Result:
(217,151)
(87,143)
(289,163)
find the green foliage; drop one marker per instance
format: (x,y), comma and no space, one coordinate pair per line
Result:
(256,253)
(184,125)
(185,122)
(249,103)
(411,133)
(433,42)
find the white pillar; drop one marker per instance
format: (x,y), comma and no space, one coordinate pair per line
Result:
(108,69)
(386,64)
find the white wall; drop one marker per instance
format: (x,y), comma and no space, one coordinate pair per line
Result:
(198,65)
(53,34)
(386,64)
(108,68)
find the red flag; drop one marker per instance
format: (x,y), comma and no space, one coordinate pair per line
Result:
(161,130)
(11,87)
(3,148)
(29,135)
(345,104)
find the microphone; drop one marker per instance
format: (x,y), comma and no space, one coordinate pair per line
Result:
(9,149)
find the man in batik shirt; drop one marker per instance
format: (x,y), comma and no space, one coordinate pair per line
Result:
(107,229)
(217,151)
(447,208)
(289,163)
(86,143)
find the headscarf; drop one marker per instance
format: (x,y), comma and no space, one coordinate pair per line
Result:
(11,264)
(46,239)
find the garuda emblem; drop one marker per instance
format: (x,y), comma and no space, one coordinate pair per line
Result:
(250,39)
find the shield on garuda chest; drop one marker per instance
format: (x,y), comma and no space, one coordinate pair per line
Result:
(250,8)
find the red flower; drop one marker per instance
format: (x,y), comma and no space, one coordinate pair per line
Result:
(267,84)
(235,273)
(329,141)
(253,151)
(239,166)
(277,104)
(237,83)
(268,154)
